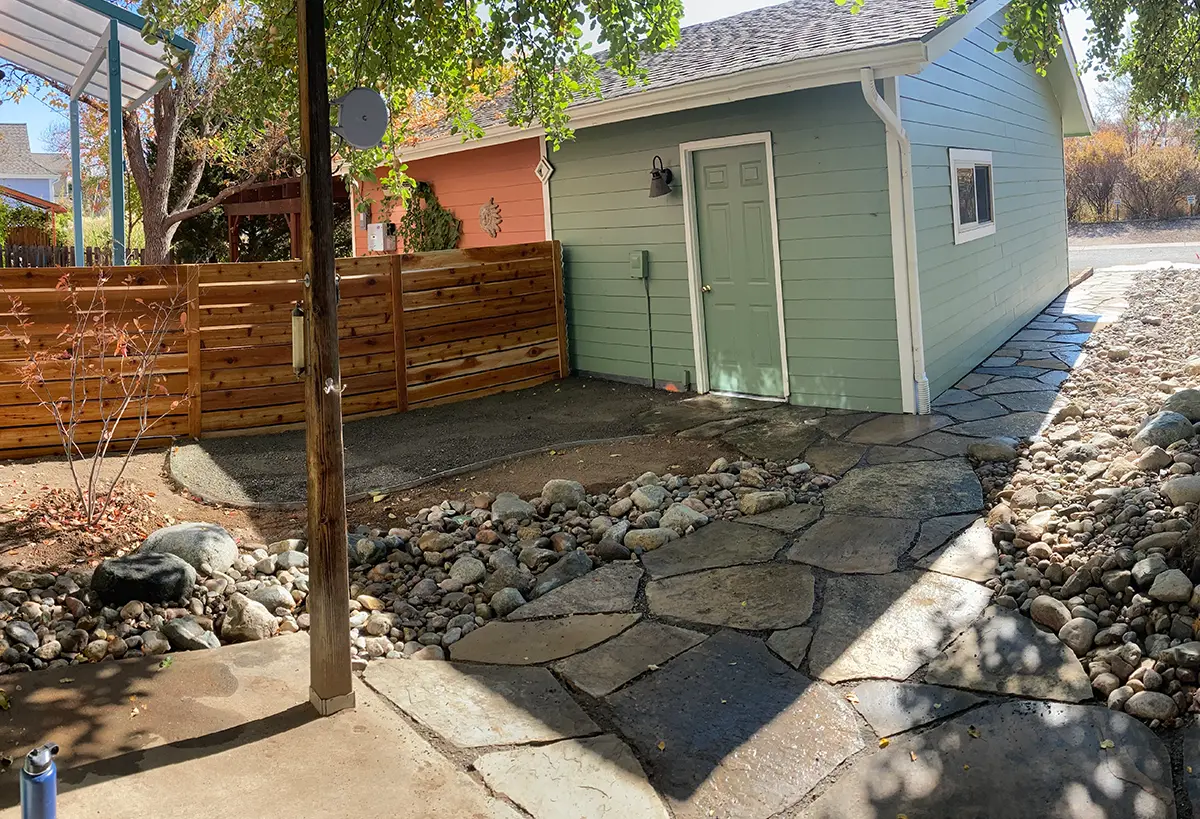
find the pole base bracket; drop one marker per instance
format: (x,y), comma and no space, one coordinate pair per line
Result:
(327,706)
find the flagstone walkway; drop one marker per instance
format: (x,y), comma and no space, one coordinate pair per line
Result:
(835,661)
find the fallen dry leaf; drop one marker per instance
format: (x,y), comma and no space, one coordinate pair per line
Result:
(1105,744)
(883,743)
(662,746)
(852,697)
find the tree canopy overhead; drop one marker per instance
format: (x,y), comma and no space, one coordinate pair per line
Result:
(539,53)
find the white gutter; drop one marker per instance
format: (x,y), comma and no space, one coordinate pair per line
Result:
(892,123)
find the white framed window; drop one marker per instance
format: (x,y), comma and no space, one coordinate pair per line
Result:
(972,197)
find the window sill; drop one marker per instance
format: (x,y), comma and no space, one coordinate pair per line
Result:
(964,235)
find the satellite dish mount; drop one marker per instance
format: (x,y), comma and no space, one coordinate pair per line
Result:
(362,118)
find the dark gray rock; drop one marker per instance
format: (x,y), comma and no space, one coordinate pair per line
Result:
(1186,402)
(768,735)
(196,543)
(569,493)
(570,566)
(1162,429)
(506,601)
(148,577)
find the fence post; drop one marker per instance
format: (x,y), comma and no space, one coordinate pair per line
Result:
(398,330)
(560,309)
(193,338)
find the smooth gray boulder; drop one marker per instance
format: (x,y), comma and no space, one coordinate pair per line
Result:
(199,544)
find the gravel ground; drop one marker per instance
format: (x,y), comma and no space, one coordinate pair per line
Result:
(1122,233)
(395,450)
(1093,518)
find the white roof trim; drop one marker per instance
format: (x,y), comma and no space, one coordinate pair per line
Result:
(1072,68)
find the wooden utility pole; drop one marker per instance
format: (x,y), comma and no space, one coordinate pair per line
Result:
(331,686)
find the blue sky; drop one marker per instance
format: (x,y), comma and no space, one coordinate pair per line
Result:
(40,117)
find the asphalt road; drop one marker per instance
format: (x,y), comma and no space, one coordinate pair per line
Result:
(1082,256)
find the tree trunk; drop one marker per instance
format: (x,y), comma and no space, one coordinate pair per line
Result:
(158,240)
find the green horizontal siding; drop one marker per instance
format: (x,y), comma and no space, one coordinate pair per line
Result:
(974,296)
(835,244)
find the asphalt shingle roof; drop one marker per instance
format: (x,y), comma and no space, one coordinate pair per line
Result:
(795,30)
(17,159)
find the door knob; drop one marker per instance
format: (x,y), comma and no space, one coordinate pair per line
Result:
(706,288)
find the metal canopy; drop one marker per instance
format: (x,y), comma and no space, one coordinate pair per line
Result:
(67,42)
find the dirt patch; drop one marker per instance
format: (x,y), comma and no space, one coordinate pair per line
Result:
(597,466)
(1121,233)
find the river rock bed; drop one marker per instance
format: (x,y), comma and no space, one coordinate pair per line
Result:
(1093,517)
(415,589)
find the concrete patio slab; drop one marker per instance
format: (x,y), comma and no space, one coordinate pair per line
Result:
(729,730)
(472,706)
(1029,759)
(215,726)
(597,777)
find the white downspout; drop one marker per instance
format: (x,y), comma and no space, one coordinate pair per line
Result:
(892,123)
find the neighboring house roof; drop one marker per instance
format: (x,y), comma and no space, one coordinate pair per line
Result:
(793,45)
(17,160)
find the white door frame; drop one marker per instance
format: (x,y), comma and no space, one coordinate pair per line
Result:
(692,249)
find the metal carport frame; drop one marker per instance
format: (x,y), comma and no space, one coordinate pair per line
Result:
(66,41)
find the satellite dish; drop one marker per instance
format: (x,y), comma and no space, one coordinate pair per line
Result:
(362,118)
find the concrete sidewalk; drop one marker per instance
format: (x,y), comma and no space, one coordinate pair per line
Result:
(225,733)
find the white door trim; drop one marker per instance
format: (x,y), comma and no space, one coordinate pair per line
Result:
(692,249)
(898,215)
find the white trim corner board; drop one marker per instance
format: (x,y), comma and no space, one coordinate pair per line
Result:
(692,251)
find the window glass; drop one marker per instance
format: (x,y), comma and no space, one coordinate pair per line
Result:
(966,195)
(983,192)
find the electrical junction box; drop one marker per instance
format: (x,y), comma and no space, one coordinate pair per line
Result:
(381,237)
(639,264)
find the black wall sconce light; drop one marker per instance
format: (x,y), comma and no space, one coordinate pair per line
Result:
(660,178)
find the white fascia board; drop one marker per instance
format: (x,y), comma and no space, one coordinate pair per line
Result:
(1072,69)
(888,61)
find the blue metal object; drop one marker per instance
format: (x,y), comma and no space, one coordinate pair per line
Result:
(116,156)
(129,18)
(39,783)
(76,183)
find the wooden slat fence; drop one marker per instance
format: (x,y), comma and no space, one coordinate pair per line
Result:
(416,330)
(18,255)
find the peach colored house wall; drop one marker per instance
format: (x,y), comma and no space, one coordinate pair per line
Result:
(466,180)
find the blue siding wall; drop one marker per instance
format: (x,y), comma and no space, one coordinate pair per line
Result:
(834,232)
(974,296)
(41,188)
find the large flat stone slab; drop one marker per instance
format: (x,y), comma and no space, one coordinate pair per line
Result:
(969,555)
(887,626)
(883,454)
(577,778)
(854,544)
(896,429)
(834,458)
(718,544)
(1028,401)
(944,444)
(765,596)
(1031,760)
(936,531)
(729,730)
(531,642)
(922,489)
(1005,653)
(474,706)
(607,667)
(607,589)
(788,519)
(791,644)
(1016,425)
(891,707)
(976,410)
(1014,384)
(781,438)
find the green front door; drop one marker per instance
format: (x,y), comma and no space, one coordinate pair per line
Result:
(737,270)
